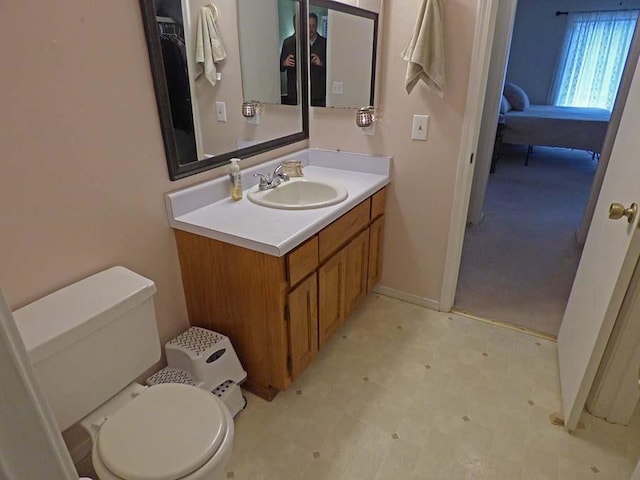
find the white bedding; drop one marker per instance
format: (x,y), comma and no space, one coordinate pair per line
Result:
(554,126)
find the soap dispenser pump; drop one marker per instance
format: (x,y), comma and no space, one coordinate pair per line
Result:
(236,181)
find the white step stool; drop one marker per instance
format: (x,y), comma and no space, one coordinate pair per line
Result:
(207,360)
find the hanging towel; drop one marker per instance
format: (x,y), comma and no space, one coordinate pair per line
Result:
(209,47)
(425,52)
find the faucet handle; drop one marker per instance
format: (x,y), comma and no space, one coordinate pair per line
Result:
(264,180)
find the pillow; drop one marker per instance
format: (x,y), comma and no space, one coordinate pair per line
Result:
(505,106)
(516,96)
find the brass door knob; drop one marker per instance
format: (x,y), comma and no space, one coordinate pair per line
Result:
(617,211)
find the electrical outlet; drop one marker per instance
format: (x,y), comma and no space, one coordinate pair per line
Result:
(221,111)
(336,88)
(420,127)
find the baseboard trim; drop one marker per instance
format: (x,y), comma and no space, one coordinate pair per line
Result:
(475,224)
(407,297)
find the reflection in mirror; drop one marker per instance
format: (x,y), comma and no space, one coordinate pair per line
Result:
(207,59)
(264,27)
(342,54)
(289,52)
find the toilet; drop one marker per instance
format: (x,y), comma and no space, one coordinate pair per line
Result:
(89,342)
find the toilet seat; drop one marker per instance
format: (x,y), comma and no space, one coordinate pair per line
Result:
(165,433)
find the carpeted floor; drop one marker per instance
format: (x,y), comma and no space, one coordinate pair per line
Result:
(518,264)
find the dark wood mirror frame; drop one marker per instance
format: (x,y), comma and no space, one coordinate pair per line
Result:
(176,170)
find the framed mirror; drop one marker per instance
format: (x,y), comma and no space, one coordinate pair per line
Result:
(209,60)
(342,59)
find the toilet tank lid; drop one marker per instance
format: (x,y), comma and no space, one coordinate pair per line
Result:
(65,316)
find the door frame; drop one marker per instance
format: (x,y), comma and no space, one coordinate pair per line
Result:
(478,76)
(499,59)
(614,394)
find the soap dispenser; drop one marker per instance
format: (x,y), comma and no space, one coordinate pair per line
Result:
(236,181)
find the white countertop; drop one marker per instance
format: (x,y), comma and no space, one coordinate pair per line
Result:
(206,209)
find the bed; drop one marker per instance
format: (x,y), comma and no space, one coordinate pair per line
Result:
(549,125)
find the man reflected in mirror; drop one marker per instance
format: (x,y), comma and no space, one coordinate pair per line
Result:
(288,65)
(318,57)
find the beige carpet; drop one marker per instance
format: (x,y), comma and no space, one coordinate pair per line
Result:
(518,264)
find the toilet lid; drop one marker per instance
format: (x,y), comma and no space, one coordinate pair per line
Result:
(165,433)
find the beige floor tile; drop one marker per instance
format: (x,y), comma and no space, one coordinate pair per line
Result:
(471,466)
(413,432)
(503,469)
(277,473)
(436,465)
(541,461)
(248,466)
(321,469)
(441,397)
(415,394)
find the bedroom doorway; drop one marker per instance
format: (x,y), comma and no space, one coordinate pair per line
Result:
(519,261)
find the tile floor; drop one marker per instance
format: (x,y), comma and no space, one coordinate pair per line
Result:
(403,392)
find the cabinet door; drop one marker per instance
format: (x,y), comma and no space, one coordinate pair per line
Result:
(331,295)
(303,325)
(376,236)
(356,272)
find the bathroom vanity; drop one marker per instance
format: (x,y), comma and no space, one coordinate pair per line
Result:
(279,283)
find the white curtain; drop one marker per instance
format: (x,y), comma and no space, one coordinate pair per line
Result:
(595,49)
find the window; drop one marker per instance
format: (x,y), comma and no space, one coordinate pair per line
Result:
(595,50)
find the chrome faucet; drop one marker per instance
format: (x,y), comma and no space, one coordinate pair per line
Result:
(272,180)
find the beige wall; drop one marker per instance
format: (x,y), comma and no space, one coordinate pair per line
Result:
(83,167)
(423,172)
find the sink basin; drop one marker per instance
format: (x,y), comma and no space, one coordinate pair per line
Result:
(300,193)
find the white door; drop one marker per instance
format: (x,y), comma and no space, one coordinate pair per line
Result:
(31,446)
(609,257)
(258,28)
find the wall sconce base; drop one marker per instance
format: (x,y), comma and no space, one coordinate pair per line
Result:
(370,130)
(255,120)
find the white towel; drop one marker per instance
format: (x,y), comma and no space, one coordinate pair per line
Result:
(425,52)
(209,47)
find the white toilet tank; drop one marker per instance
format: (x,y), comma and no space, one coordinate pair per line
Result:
(91,339)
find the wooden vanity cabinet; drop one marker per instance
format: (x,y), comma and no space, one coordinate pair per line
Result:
(279,311)
(242,294)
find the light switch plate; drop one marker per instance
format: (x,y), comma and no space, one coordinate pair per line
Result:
(420,127)
(337,88)
(221,111)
